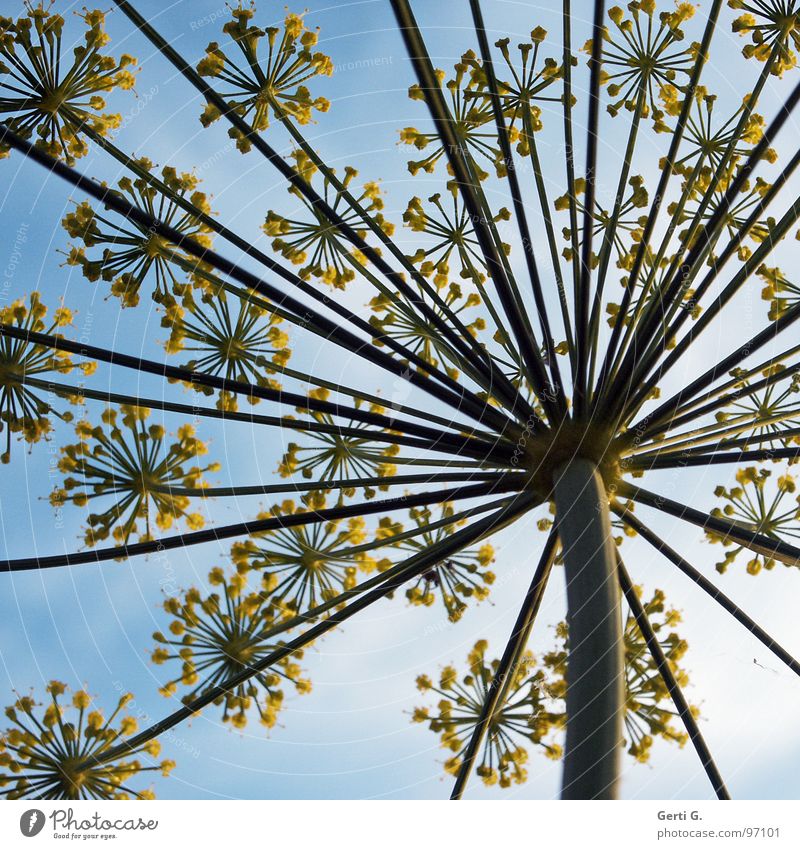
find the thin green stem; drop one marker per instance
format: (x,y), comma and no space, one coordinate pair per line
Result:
(468,185)
(504,675)
(668,676)
(98,555)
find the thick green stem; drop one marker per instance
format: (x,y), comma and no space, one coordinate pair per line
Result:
(595,686)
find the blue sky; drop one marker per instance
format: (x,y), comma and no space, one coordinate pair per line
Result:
(352,736)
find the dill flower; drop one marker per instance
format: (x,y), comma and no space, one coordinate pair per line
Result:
(772,510)
(134,466)
(768,411)
(227,337)
(306,564)
(23,408)
(462,578)
(451,234)
(779,290)
(337,456)
(735,219)
(395,320)
(626,232)
(649,282)
(261,87)
(773,25)
(532,707)
(57,751)
(641,55)
(217,635)
(46,92)
(522,716)
(318,245)
(649,712)
(527,86)
(472,121)
(708,139)
(131,253)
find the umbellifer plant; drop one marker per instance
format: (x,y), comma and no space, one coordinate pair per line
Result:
(547,383)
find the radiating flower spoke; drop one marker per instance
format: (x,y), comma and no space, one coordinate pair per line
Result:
(471,113)
(449,333)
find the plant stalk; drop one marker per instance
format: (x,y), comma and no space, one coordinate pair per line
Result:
(595,683)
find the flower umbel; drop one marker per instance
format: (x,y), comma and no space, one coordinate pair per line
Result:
(43,91)
(220,634)
(773,511)
(133,254)
(649,713)
(23,409)
(318,245)
(58,752)
(773,25)
(263,87)
(305,564)
(521,717)
(227,337)
(339,454)
(132,464)
(471,113)
(455,581)
(643,55)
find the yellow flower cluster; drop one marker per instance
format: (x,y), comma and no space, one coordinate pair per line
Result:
(649,712)
(531,707)
(239,341)
(317,244)
(472,116)
(46,92)
(221,633)
(456,581)
(773,511)
(396,320)
(643,56)
(522,92)
(451,233)
(23,409)
(337,456)
(259,88)
(774,30)
(59,752)
(132,253)
(130,463)
(736,218)
(770,411)
(779,290)
(308,564)
(628,226)
(522,716)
